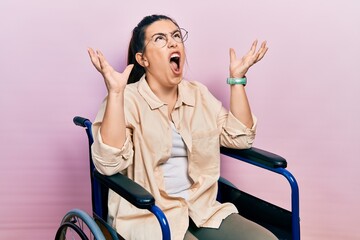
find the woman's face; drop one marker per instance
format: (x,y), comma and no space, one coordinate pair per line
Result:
(164,54)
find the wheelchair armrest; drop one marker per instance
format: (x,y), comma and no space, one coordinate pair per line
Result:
(256,157)
(128,189)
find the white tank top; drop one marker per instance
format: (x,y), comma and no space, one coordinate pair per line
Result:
(176,178)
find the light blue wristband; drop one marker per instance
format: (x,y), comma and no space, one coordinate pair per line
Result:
(233,81)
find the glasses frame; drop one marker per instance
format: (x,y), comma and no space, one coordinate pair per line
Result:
(184,35)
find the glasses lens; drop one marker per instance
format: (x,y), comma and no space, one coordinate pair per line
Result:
(177,36)
(184,34)
(159,40)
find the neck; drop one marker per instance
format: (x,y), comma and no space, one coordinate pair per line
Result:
(167,94)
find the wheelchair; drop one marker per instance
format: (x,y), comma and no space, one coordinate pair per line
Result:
(285,224)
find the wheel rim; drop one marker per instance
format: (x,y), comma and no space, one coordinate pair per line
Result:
(70,230)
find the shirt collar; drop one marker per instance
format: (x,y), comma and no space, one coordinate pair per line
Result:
(186,94)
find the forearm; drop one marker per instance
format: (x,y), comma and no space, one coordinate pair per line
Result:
(113,128)
(239,105)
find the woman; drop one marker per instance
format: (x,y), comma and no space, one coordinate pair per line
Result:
(165,132)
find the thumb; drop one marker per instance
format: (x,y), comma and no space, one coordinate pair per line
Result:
(232,55)
(127,70)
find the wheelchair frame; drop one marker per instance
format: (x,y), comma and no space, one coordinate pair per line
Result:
(139,197)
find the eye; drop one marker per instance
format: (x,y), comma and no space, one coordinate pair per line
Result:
(159,38)
(177,36)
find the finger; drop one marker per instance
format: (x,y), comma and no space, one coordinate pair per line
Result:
(262,54)
(232,55)
(263,44)
(127,70)
(94,58)
(103,62)
(90,51)
(253,46)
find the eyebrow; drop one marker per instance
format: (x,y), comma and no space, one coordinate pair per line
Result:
(164,34)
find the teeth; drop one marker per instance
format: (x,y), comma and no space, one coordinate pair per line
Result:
(174,55)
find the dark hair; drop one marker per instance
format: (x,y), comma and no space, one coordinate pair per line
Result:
(137,44)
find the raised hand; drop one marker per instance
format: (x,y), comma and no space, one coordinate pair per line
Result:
(239,67)
(115,82)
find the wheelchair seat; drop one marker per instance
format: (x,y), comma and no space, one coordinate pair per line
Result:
(285,224)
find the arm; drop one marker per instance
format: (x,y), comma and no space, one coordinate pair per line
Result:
(239,104)
(113,128)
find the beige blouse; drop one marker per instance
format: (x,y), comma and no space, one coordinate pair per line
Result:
(203,124)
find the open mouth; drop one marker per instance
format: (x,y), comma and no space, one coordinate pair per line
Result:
(175,62)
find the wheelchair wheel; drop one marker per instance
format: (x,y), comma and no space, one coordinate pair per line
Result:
(69,230)
(77,224)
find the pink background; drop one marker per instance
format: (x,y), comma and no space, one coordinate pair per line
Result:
(304,93)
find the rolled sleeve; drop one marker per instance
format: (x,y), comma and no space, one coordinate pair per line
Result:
(109,160)
(236,135)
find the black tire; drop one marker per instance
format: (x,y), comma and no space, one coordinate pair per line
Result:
(63,230)
(77,223)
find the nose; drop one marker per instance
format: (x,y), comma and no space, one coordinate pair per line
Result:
(171,42)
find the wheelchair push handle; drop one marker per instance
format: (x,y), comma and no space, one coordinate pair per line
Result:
(80,121)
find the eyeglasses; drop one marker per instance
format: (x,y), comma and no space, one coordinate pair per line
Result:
(161,39)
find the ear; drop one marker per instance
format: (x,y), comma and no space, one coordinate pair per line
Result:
(141,59)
